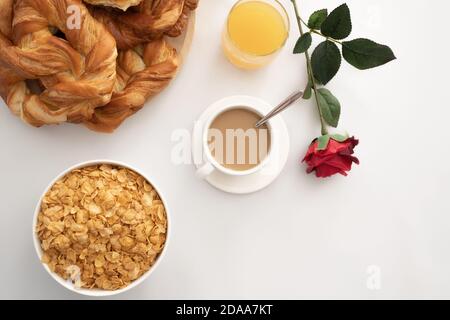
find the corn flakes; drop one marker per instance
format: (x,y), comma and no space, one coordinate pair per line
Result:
(101,226)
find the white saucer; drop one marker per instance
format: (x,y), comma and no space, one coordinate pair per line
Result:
(253,182)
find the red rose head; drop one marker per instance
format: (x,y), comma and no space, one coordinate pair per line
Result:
(337,157)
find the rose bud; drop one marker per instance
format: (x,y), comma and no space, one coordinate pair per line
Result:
(331,154)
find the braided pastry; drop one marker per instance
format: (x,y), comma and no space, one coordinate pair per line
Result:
(143,69)
(146,22)
(178,28)
(6,8)
(142,73)
(77,74)
(120,4)
(78,77)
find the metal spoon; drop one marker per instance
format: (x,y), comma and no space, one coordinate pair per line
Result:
(281,107)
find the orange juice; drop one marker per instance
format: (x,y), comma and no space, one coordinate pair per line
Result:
(254,33)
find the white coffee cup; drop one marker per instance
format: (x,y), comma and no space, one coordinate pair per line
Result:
(209,163)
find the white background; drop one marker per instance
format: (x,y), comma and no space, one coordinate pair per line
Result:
(301,237)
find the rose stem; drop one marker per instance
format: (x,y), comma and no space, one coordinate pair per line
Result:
(309,69)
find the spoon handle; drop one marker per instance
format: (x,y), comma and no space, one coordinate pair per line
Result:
(280,108)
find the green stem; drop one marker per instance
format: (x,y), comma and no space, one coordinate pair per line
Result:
(303,21)
(309,69)
(322,35)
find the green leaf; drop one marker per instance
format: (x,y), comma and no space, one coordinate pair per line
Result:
(326,61)
(323,142)
(308,91)
(366,54)
(338,25)
(329,106)
(339,137)
(303,43)
(317,18)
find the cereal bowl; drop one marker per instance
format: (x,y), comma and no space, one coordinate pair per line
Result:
(104,239)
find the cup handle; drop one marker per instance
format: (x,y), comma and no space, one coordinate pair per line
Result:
(205,170)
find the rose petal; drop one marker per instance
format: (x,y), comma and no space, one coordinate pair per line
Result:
(337,158)
(325,171)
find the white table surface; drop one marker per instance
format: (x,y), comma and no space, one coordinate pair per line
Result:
(301,237)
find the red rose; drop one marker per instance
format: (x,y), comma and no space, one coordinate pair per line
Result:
(328,156)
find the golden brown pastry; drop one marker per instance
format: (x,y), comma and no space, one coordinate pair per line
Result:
(6,10)
(78,74)
(120,4)
(144,68)
(7,78)
(142,73)
(178,28)
(146,22)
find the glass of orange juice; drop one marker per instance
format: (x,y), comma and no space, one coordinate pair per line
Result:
(255,32)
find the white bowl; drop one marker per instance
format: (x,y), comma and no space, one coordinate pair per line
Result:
(97,292)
